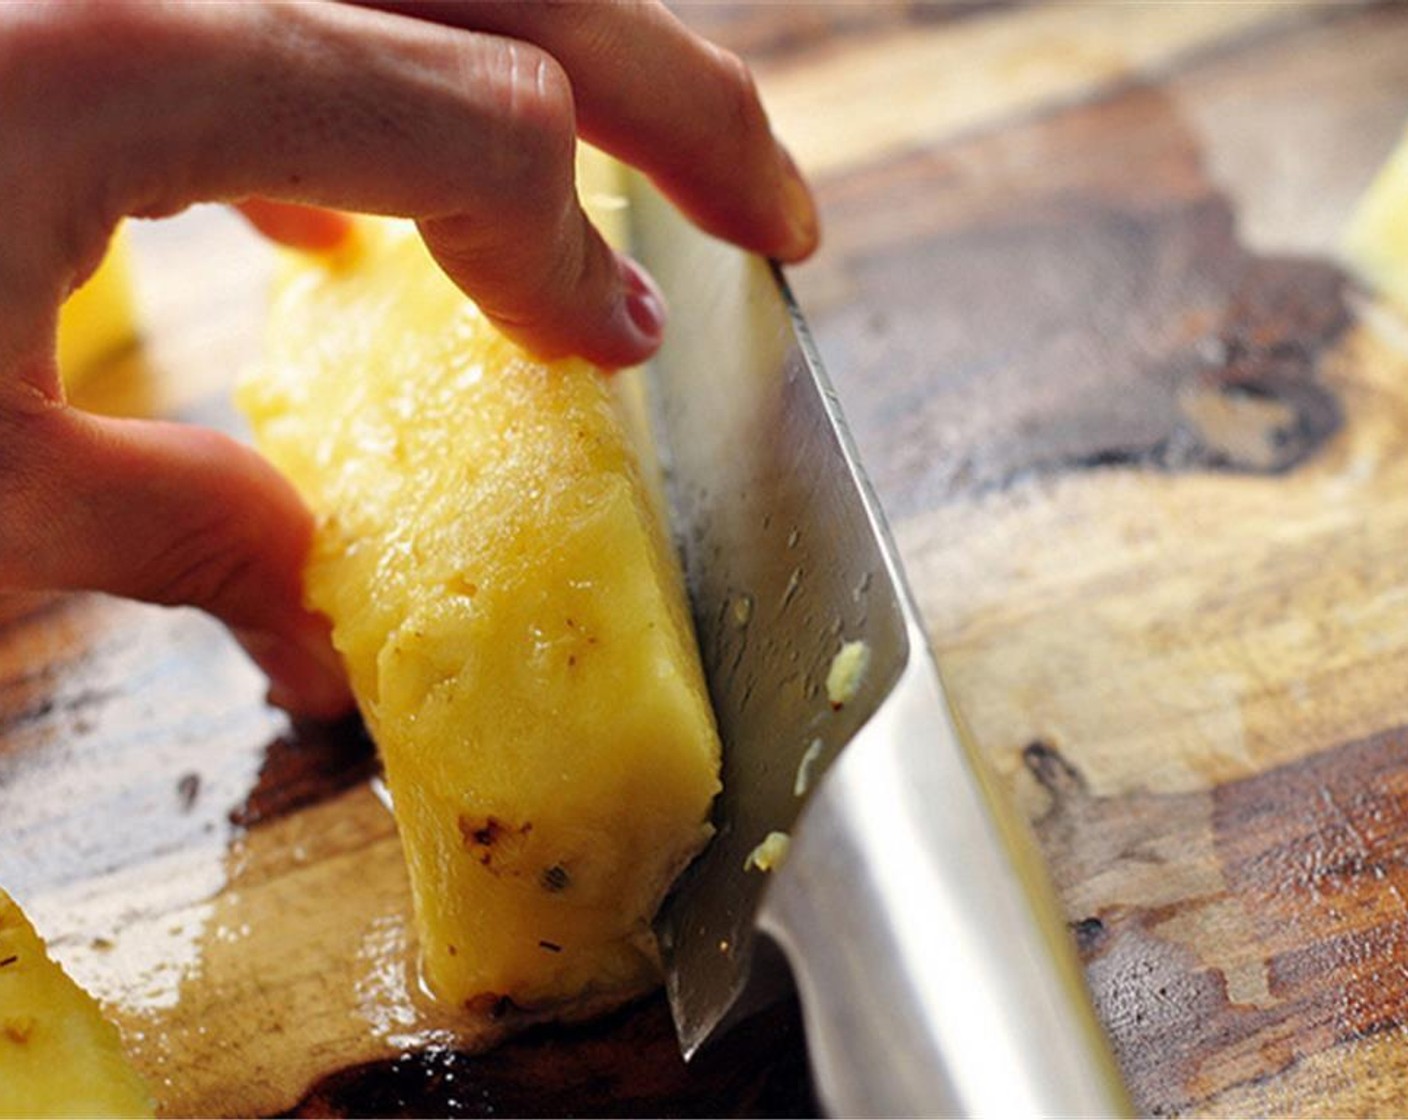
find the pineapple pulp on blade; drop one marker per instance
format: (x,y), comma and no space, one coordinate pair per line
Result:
(512,618)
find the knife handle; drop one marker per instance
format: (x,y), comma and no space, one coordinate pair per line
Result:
(935,972)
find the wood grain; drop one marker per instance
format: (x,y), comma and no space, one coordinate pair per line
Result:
(1175,630)
(1142,443)
(913,82)
(1050,300)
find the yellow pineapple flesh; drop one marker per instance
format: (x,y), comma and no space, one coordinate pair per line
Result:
(512,619)
(98,319)
(1376,243)
(58,1055)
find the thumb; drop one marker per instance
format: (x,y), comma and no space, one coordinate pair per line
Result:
(170,514)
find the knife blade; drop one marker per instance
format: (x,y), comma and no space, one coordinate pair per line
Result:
(935,972)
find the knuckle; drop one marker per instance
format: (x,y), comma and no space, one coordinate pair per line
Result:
(203,564)
(524,181)
(32,50)
(44,47)
(77,63)
(535,117)
(521,277)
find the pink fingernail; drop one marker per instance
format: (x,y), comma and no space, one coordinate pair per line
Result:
(645,305)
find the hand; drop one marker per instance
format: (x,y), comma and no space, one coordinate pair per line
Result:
(461,116)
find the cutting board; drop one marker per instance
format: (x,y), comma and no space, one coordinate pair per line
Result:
(1144,446)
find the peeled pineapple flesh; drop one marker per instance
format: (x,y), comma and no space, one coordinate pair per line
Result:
(58,1055)
(512,619)
(97,320)
(1376,243)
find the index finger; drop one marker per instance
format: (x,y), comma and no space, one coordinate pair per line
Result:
(651,92)
(472,135)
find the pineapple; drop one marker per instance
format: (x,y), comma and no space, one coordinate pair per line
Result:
(97,320)
(512,619)
(58,1055)
(1376,244)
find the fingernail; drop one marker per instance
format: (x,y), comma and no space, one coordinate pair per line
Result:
(645,305)
(803,225)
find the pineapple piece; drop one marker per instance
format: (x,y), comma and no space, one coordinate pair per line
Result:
(97,319)
(512,618)
(58,1055)
(1376,243)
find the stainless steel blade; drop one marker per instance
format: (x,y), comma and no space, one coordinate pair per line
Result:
(933,966)
(780,571)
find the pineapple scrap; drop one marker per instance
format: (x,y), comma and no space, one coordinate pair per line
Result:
(58,1055)
(1376,242)
(512,617)
(847,670)
(769,854)
(803,779)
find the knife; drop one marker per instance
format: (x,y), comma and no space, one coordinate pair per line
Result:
(935,972)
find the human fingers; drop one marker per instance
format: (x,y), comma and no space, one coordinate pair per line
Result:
(299,227)
(170,514)
(652,92)
(322,105)
(470,134)
(666,100)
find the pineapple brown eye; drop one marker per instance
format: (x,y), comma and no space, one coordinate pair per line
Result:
(555,879)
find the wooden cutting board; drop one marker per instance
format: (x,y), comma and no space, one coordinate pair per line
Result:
(1145,449)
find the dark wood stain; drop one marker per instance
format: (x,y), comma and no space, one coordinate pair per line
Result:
(1310,856)
(310,763)
(122,717)
(759,1069)
(188,790)
(1069,294)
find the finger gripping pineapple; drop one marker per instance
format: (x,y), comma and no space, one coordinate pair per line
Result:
(512,619)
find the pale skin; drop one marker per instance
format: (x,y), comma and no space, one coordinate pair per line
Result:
(459,115)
